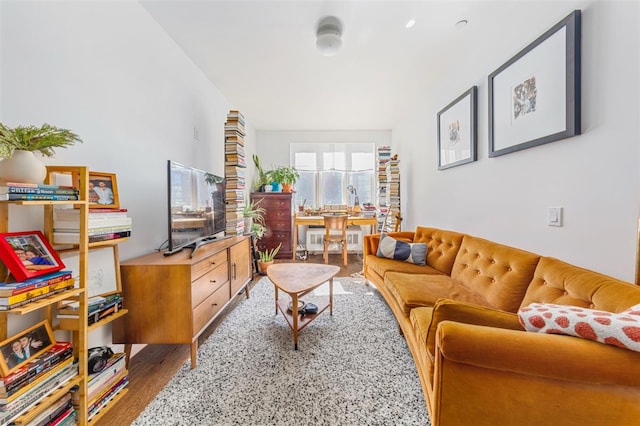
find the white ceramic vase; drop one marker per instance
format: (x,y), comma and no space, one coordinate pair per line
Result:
(23,167)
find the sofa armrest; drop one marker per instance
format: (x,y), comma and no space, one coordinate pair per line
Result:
(371,241)
(451,310)
(558,357)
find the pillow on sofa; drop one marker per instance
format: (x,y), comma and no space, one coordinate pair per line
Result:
(621,329)
(391,248)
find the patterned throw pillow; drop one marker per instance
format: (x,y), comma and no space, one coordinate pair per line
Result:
(391,248)
(621,329)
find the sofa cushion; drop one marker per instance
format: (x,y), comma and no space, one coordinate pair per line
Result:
(618,329)
(443,247)
(381,266)
(391,248)
(501,274)
(414,290)
(560,283)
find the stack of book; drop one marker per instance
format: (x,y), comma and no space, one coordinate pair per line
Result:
(16,294)
(99,307)
(103,386)
(17,191)
(26,386)
(104,224)
(235,163)
(384,157)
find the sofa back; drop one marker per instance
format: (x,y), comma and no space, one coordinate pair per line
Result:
(443,247)
(555,281)
(499,273)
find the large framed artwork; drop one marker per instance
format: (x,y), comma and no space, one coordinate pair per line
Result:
(457,131)
(534,98)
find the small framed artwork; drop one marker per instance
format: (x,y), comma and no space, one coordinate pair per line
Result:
(18,350)
(103,191)
(457,131)
(28,254)
(534,98)
(103,275)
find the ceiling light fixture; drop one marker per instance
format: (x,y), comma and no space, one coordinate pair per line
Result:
(329,36)
(410,23)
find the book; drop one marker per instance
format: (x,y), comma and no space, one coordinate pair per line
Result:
(95,408)
(116,365)
(92,223)
(70,320)
(74,237)
(41,376)
(8,307)
(94,304)
(55,410)
(30,190)
(42,280)
(33,185)
(33,373)
(31,197)
(32,293)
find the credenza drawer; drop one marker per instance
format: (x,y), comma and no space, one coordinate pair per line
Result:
(205,311)
(208,283)
(208,263)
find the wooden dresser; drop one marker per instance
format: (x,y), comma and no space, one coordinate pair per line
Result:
(278,221)
(173,299)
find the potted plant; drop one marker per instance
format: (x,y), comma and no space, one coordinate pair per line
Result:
(263,177)
(17,146)
(285,175)
(266,258)
(253,214)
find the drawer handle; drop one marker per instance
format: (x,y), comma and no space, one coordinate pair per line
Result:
(212,281)
(214,304)
(213,262)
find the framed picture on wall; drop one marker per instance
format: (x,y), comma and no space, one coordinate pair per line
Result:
(103,191)
(534,98)
(457,131)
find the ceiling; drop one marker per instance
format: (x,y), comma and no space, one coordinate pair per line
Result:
(261,54)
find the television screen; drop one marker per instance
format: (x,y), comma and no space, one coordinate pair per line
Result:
(196,206)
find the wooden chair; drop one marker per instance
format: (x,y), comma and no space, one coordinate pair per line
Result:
(335,231)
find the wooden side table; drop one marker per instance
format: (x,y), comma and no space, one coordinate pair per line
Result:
(297,280)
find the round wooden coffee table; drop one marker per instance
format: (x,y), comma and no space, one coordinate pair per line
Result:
(297,280)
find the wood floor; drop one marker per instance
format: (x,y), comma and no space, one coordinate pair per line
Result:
(152,368)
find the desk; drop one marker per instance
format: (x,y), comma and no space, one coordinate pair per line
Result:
(301,219)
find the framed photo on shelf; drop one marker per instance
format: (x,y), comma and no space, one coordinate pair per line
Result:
(18,350)
(457,131)
(103,275)
(28,254)
(534,98)
(103,191)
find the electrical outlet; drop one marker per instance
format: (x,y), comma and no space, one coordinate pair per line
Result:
(196,133)
(554,216)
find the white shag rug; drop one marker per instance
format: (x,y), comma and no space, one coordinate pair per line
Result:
(352,368)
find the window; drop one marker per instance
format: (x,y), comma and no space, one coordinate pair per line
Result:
(327,170)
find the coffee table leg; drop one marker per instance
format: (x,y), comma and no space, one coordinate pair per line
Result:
(331,296)
(294,312)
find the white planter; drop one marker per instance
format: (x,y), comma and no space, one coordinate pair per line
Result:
(23,167)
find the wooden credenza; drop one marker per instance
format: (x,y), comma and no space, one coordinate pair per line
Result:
(172,300)
(278,221)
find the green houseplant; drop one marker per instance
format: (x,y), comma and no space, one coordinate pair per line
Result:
(17,146)
(286,175)
(263,176)
(266,257)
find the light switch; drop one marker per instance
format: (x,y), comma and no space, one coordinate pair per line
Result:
(554,216)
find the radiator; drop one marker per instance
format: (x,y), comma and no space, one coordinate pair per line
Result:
(315,241)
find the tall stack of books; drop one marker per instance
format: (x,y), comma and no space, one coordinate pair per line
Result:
(104,225)
(394,192)
(16,191)
(234,170)
(16,294)
(384,157)
(104,385)
(25,387)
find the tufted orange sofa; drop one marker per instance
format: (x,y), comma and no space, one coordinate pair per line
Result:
(477,365)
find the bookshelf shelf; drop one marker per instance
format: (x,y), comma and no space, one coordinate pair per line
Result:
(27,417)
(109,404)
(45,302)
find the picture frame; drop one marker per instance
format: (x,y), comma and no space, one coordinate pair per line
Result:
(28,254)
(22,348)
(534,98)
(103,275)
(103,191)
(458,131)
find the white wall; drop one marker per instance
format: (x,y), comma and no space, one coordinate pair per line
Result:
(107,71)
(594,177)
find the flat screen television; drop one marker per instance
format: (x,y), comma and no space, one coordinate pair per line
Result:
(196,207)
